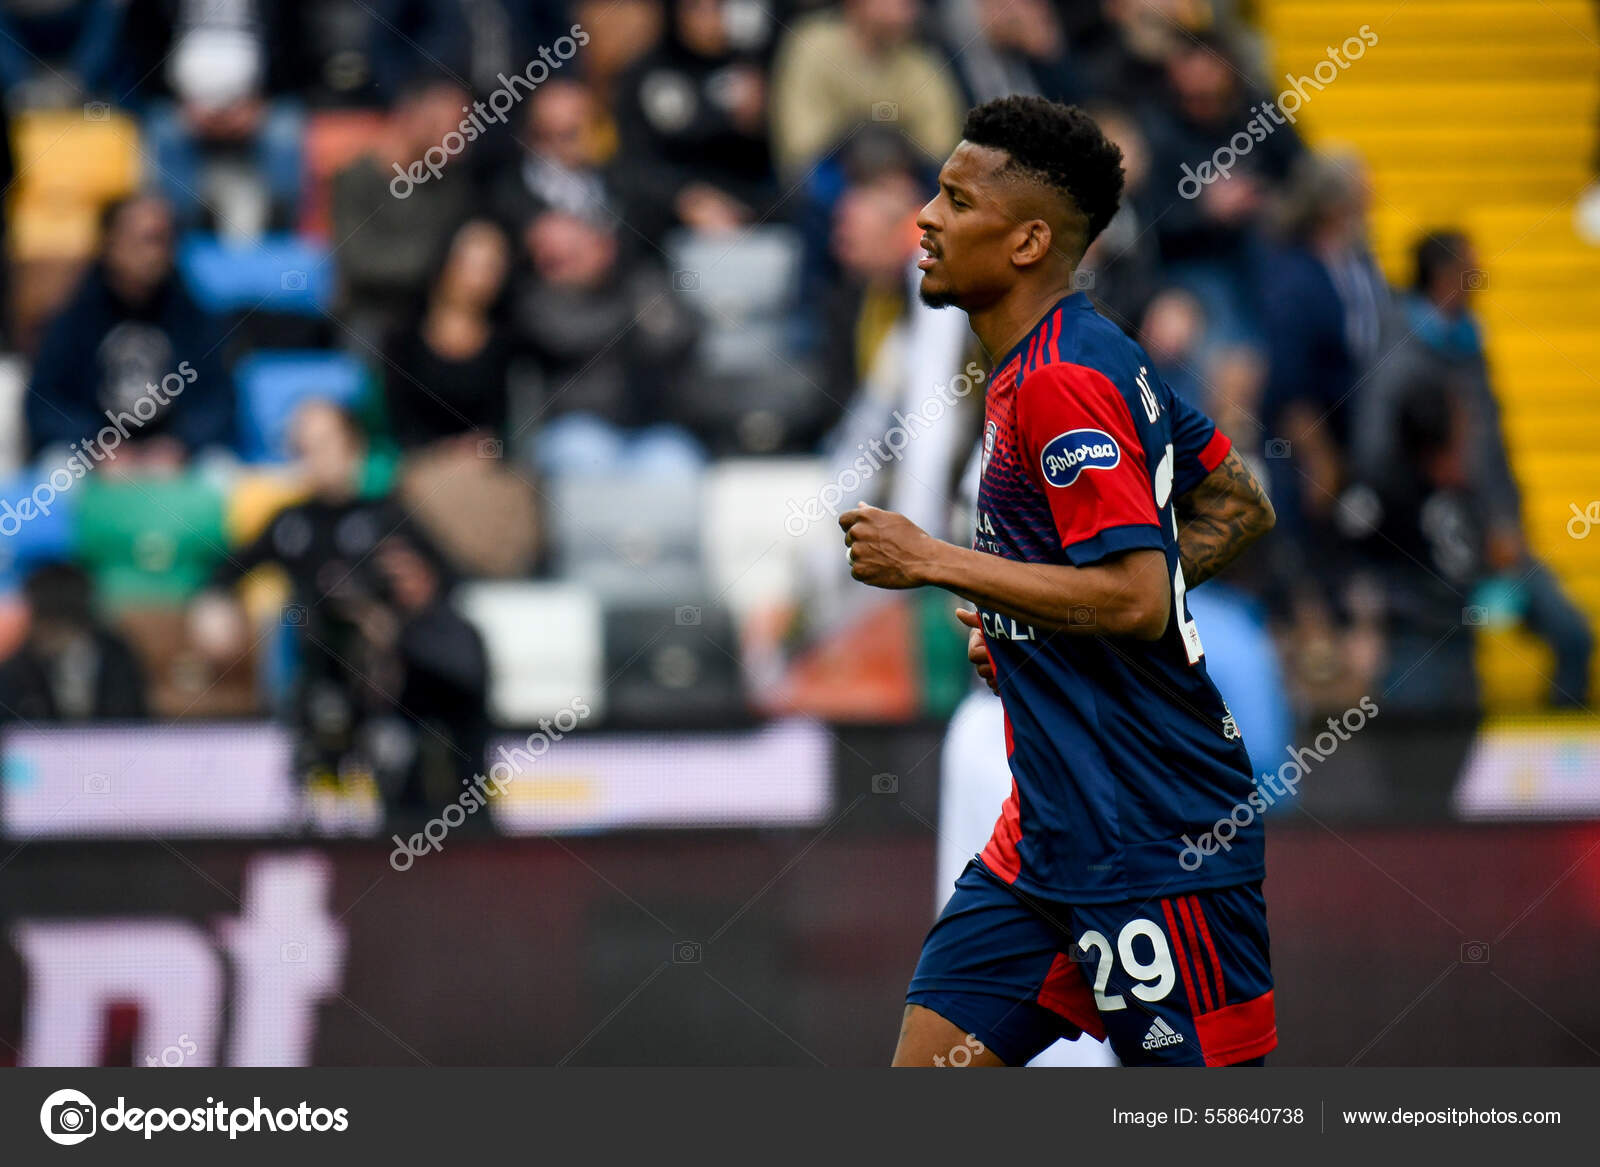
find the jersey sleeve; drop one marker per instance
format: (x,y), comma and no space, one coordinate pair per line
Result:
(1198,446)
(1082,449)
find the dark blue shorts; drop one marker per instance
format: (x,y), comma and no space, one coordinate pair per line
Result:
(1178,981)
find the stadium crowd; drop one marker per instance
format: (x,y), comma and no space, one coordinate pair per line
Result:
(426,268)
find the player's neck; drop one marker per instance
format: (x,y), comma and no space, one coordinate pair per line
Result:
(1001,326)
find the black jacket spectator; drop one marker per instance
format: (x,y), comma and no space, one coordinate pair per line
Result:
(692,122)
(446,372)
(132,325)
(70,667)
(609,334)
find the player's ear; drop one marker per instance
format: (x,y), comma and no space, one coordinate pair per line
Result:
(1033,243)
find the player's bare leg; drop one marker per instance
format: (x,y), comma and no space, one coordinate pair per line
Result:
(926,1039)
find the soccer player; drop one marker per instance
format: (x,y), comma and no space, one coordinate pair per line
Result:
(1110,899)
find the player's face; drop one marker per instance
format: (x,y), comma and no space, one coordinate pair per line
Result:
(967,233)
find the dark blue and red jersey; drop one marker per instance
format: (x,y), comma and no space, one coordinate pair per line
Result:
(1119,747)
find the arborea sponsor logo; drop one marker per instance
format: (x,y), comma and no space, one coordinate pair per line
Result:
(1067,455)
(476,796)
(1271,787)
(70,1116)
(99,448)
(494,109)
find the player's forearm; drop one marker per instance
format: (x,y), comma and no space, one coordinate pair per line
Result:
(1218,519)
(1130,595)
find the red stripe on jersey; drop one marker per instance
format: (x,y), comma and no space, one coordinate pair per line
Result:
(1033,348)
(1011,741)
(1239,1032)
(1000,856)
(1055,336)
(1066,994)
(1183,959)
(1193,950)
(1205,935)
(1216,450)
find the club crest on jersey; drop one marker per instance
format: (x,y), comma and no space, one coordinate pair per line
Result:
(1067,455)
(990,432)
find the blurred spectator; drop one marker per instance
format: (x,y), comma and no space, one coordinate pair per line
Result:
(1428,548)
(557,170)
(1209,230)
(128,342)
(1123,49)
(446,370)
(612,342)
(1121,269)
(620,33)
(1170,333)
(71,667)
(390,229)
(1324,303)
(471,41)
(692,118)
(447,396)
(1010,46)
(1441,354)
(835,71)
(387,669)
(226,157)
(61,52)
(895,357)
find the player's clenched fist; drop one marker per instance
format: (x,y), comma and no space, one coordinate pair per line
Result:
(885,549)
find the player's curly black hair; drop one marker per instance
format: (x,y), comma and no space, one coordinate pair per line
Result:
(1058,145)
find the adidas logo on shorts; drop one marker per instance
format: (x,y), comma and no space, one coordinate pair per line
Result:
(1161,1034)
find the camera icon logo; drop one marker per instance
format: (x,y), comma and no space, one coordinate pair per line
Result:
(67,1117)
(1474,952)
(686,952)
(491,449)
(686,616)
(1082,281)
(294,615)
(885,111)
(886,784)
(1475,615)
(685,281)
(293,952)
(96,111)
(1083,616)
(97,783)
(1278,448)
(1474,280)
(294,281)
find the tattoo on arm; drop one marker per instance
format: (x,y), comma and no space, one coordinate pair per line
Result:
(1218,519)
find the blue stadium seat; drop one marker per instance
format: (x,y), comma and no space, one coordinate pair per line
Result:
(272,385)
(278,273)
(39,538)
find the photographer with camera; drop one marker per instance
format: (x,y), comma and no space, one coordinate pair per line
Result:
(391,681)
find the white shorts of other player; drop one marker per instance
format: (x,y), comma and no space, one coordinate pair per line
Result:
(974,782)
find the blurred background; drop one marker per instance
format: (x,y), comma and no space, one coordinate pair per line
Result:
(424,637)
